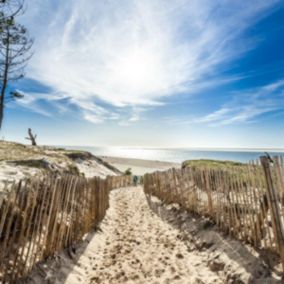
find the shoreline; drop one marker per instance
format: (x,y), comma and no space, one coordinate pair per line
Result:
(139,166)
(205,149)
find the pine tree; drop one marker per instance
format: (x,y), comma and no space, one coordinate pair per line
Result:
(15,50)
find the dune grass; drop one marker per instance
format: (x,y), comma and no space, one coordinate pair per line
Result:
(212,164)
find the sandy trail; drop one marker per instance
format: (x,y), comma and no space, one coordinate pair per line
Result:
(136,246)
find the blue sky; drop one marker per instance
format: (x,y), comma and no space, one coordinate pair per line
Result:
(153,73)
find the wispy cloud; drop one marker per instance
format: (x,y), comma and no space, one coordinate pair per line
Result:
(244,107)
(33,106)
(132,116)
(30,102)
(134,53)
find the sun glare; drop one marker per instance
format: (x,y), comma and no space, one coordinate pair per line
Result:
(137,70)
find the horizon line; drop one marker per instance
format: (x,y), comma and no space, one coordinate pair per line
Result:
(244,149)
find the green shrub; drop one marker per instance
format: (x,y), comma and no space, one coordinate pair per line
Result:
(128,172)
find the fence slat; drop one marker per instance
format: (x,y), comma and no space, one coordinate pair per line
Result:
(274,207)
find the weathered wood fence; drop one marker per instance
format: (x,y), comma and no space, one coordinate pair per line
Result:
(246,202)
(41,217)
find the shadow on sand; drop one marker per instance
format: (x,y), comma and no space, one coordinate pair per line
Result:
(202,235)
(55,269)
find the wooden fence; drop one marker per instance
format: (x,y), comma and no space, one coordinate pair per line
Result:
(119,181)
(246,202)
(41,217)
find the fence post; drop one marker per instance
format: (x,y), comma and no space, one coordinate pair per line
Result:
(274,207)
(206,176)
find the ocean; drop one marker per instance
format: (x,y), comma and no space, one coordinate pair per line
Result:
(175,155)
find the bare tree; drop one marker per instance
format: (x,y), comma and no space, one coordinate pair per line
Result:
(15,49)
(31,137)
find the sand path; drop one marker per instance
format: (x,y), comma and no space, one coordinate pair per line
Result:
(136,246)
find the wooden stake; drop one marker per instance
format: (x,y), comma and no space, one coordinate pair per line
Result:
(274,207)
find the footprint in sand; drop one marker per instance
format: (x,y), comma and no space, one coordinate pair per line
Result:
(132,253)
(158,272)
(179,255)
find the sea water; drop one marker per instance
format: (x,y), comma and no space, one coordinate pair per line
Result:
(177,155)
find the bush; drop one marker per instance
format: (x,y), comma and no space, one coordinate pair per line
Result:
(128,172)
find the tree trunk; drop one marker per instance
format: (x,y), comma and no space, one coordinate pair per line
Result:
(31,137)
(5,81)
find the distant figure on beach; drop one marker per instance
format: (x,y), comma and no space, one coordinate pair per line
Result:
(135,180)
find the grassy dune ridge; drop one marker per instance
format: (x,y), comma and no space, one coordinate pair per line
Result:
(18,161)
(211,164)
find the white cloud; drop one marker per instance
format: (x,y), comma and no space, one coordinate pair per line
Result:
(93,117)
(245,106)
(133,53)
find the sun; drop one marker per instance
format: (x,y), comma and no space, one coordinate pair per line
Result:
(137,69)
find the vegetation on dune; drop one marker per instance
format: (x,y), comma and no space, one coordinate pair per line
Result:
(46,158)
(212,164)
(73,170)
(75,154)
(40,164)
(17,151)
(45,165)
(128,172)
(237,171)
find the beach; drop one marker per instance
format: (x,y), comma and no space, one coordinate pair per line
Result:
(141,142)
(139,166)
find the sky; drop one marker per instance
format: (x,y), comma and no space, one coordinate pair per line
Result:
(153,73)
